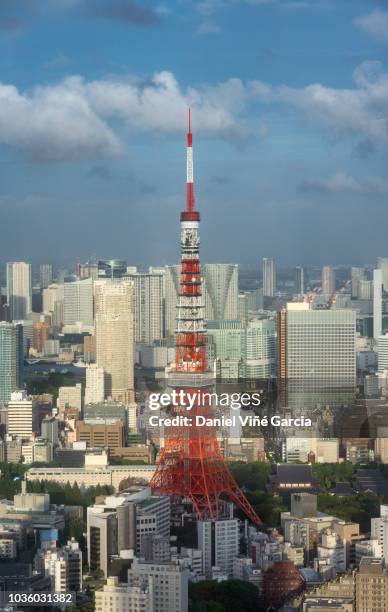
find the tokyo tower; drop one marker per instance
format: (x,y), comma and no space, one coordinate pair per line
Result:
(191,465)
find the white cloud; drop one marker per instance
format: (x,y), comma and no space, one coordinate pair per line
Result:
(375,24)
(361,111)
(341,183)
(80,119)
(71,119)
(54,123)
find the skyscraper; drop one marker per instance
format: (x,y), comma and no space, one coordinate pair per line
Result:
(45,275)
(219,543)
(19,289)
(22,416)
(300,280)
(269,277)
(377,303)
(382,264)
(357,275)
(148,306)
(328,280)
(317,352)
(78,302)
(11,359)
(114,336)
(221,291)
(260,349)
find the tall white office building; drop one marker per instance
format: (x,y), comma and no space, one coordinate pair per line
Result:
(21,415)
(19,289)
(78,302)
(317,352)
(170,584)
(219,543)
(382,264)
(148,306)
(95,389)
(377,303)
(220,285)
(114,336)
(328,280)
(269,277)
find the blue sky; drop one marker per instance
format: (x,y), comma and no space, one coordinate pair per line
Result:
(290,118)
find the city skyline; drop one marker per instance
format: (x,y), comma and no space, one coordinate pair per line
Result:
(104,167)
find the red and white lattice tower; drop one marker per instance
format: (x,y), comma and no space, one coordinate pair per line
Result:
(191,465)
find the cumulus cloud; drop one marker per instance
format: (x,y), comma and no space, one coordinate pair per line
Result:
(375,24)
(71,119)
(341,183)
(80,119)
(362,110)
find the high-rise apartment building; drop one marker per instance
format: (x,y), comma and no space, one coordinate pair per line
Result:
(269,277)
(170,584)
(300,280)
(148,306)
(11,359)
(45,275)
(328,280)
(317,352)
(95,389)
(78,302)
(19,289)
(219,543)
(114,337)
(220,285)
(22,417)
(377,303)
